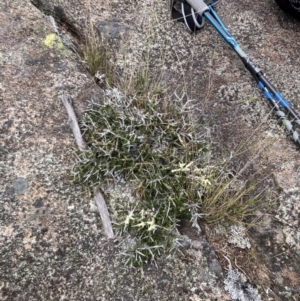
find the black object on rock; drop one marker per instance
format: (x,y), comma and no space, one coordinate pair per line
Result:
(290,6)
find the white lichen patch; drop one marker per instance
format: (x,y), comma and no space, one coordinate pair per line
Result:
(237,237)
(120,197)
(238,287)
(289,215)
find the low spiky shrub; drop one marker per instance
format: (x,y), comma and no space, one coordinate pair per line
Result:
(149,156)
(154,148)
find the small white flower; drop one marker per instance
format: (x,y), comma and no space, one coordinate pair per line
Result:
(205,182)
(152,226)
(183,167)
(199,170)
(141,225)
(142,213)
(129,217)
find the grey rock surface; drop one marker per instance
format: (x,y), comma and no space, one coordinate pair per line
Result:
(51,244)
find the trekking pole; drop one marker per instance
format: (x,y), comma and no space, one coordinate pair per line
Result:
(193,12)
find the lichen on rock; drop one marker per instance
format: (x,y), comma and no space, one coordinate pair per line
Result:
(239,288)
(237,237)
(289,215)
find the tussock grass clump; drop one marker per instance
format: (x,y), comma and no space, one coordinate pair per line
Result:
(150,157)
(97,56)
(96,52)
(224,202)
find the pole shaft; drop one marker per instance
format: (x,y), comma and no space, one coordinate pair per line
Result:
(269,91)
